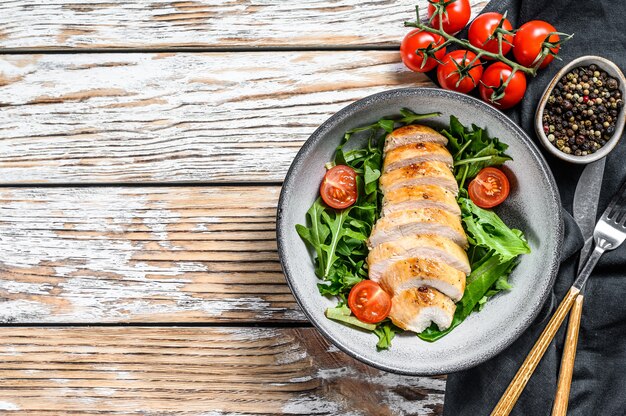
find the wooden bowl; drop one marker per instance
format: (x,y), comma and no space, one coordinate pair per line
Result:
(611,69)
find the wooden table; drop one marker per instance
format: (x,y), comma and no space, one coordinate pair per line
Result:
(143,148)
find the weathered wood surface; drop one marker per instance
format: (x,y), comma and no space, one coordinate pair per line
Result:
(204,23)
(155,254)
(198,371)
(201,117)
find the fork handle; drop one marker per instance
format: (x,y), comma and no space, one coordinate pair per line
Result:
(567,361)
(512,393)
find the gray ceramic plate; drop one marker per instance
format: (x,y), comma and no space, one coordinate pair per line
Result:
(533,206)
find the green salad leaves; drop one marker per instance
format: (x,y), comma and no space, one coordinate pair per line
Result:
(472,150)
(339,238)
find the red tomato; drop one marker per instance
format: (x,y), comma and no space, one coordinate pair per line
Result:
(493,77)
(489,188)
(369,302)
(527,44)
(338,188)
(483,27)
(417,39)
(456,17)
(448,74)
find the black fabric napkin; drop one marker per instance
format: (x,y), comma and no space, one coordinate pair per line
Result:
(599,384)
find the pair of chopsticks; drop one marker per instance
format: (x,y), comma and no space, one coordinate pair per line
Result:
(526,370)
(573,301)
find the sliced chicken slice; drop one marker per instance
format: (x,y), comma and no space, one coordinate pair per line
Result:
(422,196)
(417,272)
(434,247)
(418,221)
(425,173)
(412,134)
(416,308)
(411,154)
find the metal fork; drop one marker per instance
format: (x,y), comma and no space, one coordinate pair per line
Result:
(610,233)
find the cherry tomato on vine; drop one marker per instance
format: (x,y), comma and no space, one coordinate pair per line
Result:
(483,27)
(456,17)
(493,77)
(448,73)
(528,41)
(338,188)
(369,302)
(417,39)
(489,188)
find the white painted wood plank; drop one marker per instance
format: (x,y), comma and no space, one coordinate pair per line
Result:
(198,372)
(210,117)
(155,254)
(204,23)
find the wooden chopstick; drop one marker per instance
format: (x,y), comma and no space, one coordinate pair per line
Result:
(567,361)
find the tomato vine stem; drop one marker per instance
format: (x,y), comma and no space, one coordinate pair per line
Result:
(498,93)
(465,44)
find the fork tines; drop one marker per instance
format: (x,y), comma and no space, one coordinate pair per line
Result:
(616,211)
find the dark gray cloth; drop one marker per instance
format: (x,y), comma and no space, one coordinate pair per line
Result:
(599,384)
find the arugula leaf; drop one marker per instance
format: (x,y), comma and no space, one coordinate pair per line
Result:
(316,233)
(410,117)
(473,150)
(385,331)
(488,230)
(339,280)
(335,221)
(371,178)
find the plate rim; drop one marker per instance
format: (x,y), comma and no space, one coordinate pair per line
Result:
(426,91)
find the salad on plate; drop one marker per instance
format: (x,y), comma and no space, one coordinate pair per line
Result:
(403,235)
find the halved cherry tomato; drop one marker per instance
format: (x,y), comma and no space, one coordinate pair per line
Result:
(417,39)
(528,42)
(489,188)
(338,188)
(369,302)
(482,28)
(448,73)
(457,15)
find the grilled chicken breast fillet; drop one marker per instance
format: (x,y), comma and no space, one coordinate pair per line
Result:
(407,223)
(412,134)
(414,153)
(425,173)
(434,247)
(417,272)
(422,196)
(416,308)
